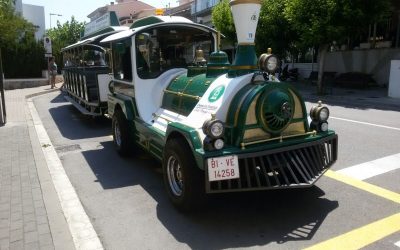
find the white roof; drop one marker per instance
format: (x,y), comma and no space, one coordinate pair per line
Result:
(118,36)
(94,38)
(168,20)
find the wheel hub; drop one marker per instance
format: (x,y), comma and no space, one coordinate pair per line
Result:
(175,177)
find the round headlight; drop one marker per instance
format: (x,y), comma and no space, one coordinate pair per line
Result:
(216,129)
(268,62)
(324,126)
(323,114)
(219,144)
(272,63)
(213,128)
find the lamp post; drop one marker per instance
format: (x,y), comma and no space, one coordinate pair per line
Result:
(53,14)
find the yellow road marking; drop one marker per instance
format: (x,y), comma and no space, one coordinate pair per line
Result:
(384,193)
(362,236)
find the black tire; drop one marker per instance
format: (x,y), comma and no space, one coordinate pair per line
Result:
(189,194)
(121,135)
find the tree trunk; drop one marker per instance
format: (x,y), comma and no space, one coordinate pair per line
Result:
(321,63)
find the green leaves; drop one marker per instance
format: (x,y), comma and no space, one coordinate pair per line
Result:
(12,25)
(223,21)
(287,25)
(64,35)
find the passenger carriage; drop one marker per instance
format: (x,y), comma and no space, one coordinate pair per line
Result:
(87,68)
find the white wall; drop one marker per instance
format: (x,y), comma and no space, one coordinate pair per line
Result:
(35,15)
(18,6)
(374,61)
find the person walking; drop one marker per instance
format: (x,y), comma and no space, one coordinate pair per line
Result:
(52,67)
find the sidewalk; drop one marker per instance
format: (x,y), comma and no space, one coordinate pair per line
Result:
(30,213)
(373,97)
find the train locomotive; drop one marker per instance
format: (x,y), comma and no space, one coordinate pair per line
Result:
(215,126)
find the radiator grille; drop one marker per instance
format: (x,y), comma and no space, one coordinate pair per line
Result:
(289,167)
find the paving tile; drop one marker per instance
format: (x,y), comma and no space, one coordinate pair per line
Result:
(41,219)
(5,243)
(30,226)
(43,229)
(4,233)
(45,239)
(16,225)
(31,237)
(16,235)
(17,245)
(32,246)
(29,217)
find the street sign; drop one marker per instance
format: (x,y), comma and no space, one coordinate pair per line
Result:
(159,12)
(47,45)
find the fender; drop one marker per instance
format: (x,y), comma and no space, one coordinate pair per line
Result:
(127,104)
(192,138)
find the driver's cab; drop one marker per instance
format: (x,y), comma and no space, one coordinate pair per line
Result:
(147,58)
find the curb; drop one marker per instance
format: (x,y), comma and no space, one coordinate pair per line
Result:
(80,228)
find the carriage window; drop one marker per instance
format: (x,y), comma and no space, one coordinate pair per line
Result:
(122,64)
(164,48)
(86,56)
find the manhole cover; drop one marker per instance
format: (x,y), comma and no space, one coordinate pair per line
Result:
(68,148)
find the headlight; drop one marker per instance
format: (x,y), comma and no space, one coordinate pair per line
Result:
(219,144)
(213,128)
(210,144)
(319,113)
(268,62)
(323,114)
(324,126)
(272,63)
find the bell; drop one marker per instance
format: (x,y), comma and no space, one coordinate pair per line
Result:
(199,57)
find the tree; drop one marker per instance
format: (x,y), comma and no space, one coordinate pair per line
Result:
(319,22)
(274,30)
(64,35)
(222,19)
(13,27)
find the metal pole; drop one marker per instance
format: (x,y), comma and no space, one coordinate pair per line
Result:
(3,114)
(398,33)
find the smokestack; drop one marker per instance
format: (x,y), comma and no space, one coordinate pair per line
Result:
(245,15)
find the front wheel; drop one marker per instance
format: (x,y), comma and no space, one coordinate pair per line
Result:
(120,131)
(183,180)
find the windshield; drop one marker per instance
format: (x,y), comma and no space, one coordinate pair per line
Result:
(163,48)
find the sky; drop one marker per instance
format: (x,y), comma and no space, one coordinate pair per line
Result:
(80,8)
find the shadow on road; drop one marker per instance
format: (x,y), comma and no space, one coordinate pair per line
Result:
(228,220)
(232,220)
(89,127)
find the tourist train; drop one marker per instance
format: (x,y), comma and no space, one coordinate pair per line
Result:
(215,126)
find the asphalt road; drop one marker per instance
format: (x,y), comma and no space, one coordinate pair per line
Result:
(128,206)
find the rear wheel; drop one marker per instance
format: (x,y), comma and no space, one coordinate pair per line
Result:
(182,178)
(120,131)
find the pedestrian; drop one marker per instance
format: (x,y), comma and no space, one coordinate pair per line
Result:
(52,67)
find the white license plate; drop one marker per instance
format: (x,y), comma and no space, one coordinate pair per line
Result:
(223,168)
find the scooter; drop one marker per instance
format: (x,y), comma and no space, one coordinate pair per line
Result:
(291,74)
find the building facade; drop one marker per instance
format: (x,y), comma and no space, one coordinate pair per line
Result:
(33,14)
(201,11)
(127,11)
